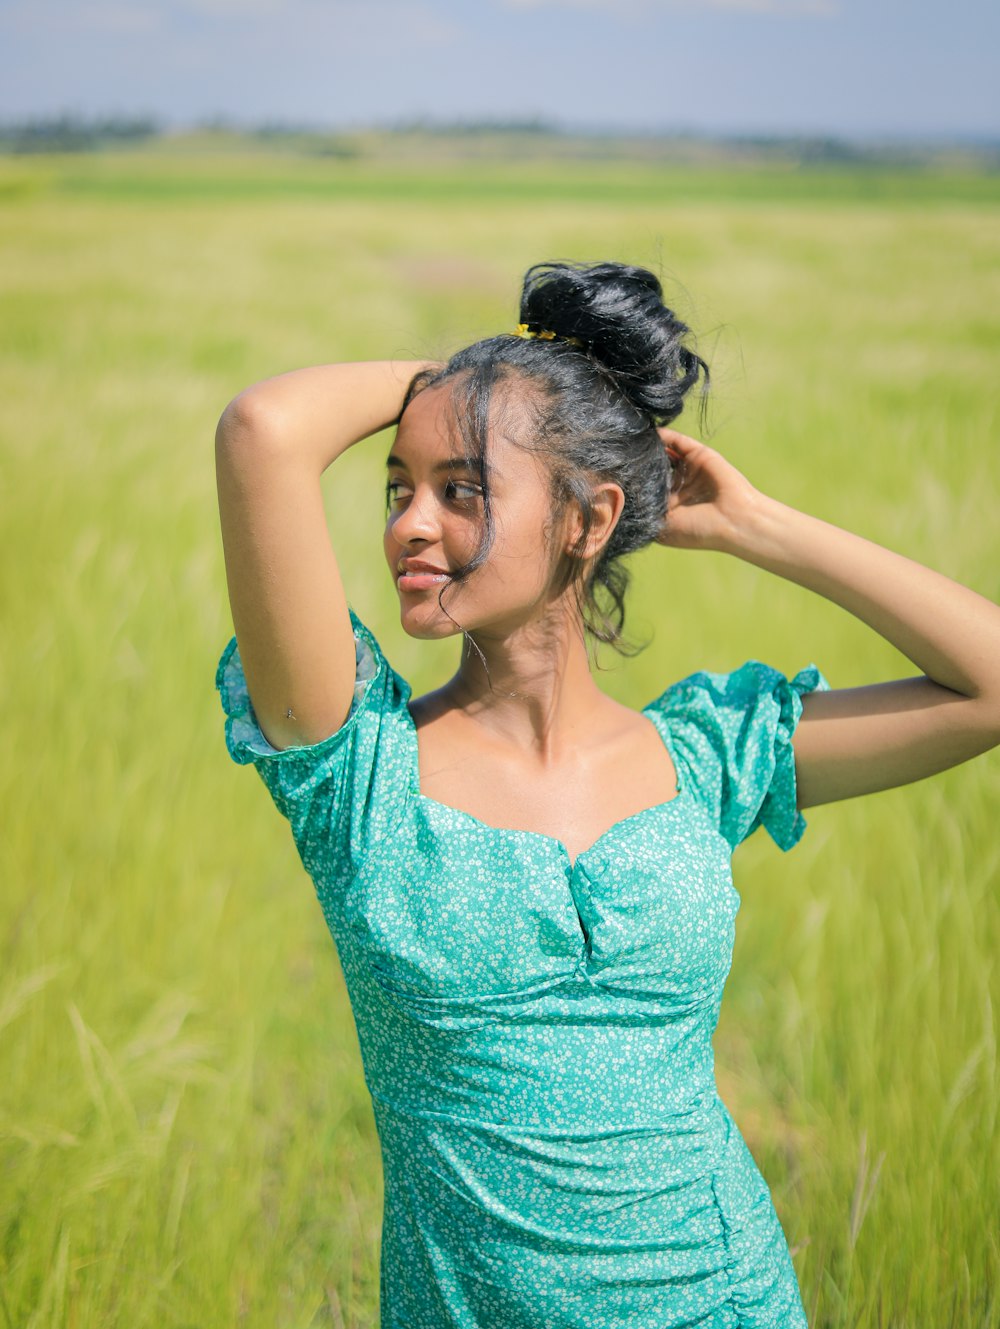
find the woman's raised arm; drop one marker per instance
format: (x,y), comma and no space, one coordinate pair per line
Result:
(853,741)
(273,443)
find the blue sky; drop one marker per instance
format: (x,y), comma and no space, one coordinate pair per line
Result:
(898,68)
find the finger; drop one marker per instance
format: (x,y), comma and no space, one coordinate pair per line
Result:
(681,442)
(675,445)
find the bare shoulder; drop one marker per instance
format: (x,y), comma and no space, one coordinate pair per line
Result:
(612,726)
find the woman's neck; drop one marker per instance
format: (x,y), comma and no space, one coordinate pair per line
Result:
(539,692)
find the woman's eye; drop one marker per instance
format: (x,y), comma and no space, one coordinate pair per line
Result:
(462,492)
(392,490)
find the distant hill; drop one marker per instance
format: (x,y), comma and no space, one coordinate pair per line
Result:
(483,141)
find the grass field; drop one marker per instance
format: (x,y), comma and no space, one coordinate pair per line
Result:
(185,1134)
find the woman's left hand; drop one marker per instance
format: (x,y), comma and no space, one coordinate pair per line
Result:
(710,501)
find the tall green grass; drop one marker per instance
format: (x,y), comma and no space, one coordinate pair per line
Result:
(185,1134)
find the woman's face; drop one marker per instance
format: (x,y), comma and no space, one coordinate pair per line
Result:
(436,519)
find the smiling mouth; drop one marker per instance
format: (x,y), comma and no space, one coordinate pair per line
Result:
(418,580)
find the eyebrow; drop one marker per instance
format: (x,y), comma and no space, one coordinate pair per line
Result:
(440,467)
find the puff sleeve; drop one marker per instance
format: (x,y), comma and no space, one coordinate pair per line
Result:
(731,735)
(344,793)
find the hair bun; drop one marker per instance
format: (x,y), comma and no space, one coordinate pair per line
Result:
(617,312)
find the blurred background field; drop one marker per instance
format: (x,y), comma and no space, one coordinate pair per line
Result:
(186,1137)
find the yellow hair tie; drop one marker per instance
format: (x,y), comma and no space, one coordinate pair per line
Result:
(522,330)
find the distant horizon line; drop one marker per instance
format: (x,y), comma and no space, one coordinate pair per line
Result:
(535,124)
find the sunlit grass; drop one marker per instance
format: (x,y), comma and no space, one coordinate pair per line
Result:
(185,1134)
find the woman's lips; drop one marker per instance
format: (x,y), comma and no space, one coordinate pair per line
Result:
(420,581)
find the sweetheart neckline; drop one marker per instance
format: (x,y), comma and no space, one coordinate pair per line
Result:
(553,839)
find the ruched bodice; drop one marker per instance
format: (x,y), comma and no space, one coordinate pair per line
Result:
(536,1033)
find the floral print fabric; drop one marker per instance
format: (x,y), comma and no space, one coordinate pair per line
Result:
(536,1033)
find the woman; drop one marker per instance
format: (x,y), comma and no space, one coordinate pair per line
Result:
(528,883)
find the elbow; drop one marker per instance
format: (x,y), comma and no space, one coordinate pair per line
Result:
(249,421)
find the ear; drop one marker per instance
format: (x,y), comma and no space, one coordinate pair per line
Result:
(608,503)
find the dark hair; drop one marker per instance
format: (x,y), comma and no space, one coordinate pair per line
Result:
(594,409)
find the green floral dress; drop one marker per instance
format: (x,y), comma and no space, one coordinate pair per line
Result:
(536,1033)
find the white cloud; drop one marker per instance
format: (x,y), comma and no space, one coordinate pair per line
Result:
(121,16)
(57,17)
(807,8)
(293,10)
(785,8)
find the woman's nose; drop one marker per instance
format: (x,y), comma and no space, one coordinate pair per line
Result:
(416,521)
